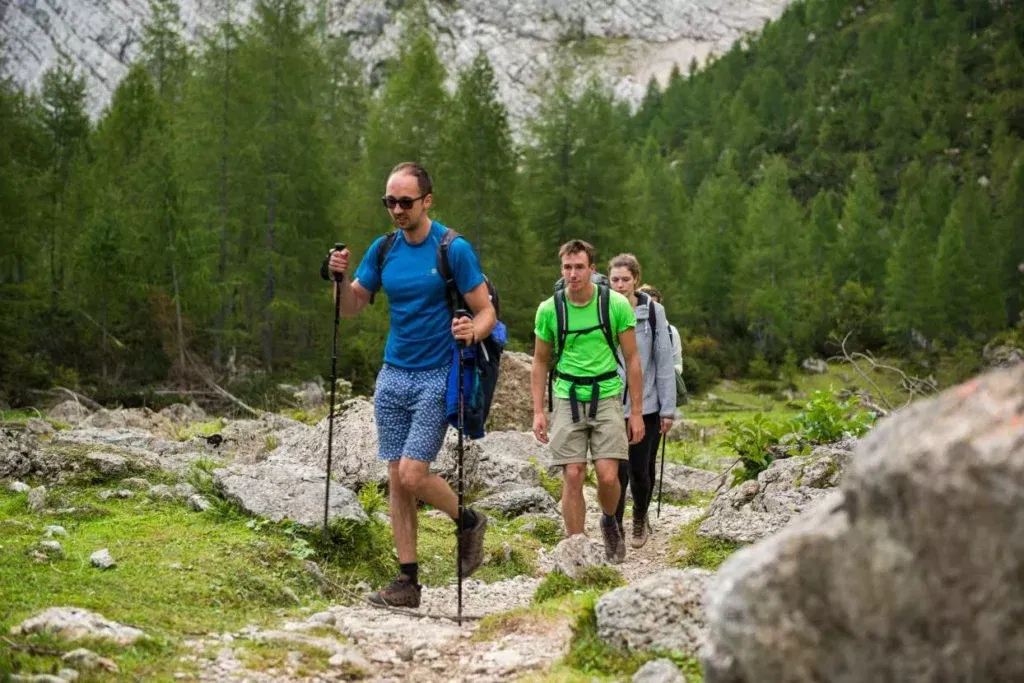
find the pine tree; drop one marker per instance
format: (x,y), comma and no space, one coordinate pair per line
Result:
(863,239)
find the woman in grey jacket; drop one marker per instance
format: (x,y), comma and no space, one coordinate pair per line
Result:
(655,347)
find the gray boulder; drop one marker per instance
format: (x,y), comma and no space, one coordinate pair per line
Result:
(182,414)
(814,366)
(279,491)
(72,412)
(354,460)
(756,509)
(513,502)
(662,612)
(1002,355)
(73,623)
(659,671)
(505,459)
(575,554)
(693,479)
(909,571)
(17,451)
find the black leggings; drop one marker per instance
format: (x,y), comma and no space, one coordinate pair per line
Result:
(639,472)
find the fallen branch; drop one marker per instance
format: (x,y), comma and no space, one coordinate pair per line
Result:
(914,386)
(220,390)
(80,398)
(31,649)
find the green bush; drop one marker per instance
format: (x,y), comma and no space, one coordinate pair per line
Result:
(824,419)
(751,440)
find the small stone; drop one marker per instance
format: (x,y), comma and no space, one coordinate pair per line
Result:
(184,490)
(136,483)
(323,619)
(382,656)
(122,494)
(659,671)
(406,654)
(52,548)
(506,552)
(37,499)
(88,660)
(160,492)
(18,487)
(69,675)
(102,559)
(198,503)
(54,530)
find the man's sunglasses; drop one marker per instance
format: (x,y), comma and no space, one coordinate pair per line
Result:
(404,202)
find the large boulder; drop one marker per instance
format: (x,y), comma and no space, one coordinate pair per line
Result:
(142,419)
(71,411)
(512,405)
(182,414)
(576,553)
(513,502)
(788,487)
(17,451)
(69,450)
(661,612)
(694,480)
(909,571)
(354,460)
(280,491)
(74,623)
(510,458)
(1002,355)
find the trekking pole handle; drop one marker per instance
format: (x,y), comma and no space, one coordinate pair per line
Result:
(339,246)
(462,313)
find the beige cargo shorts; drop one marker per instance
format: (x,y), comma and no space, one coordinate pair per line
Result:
(605,434)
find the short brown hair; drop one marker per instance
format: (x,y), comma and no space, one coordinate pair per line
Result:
(418,172)
(626,261)
(651,291)
(578,247)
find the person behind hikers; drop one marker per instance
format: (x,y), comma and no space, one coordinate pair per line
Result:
(409,401)
(587,400)
(659,393)
(673,332)
(677,350)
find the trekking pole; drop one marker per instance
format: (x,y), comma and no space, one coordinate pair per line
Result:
(338,277)
(460,313)
(661,479)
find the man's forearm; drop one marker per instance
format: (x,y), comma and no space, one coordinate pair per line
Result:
(349,306)
(538,383)
(484,322)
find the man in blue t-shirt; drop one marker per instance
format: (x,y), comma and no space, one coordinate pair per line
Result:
(409,403)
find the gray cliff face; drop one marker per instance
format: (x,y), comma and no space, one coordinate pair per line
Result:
(622,42)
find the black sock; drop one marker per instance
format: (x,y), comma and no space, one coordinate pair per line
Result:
(468,519)
(412,570)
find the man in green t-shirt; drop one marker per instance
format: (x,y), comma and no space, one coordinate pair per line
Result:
(587,378)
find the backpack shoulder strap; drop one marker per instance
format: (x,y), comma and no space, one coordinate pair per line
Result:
(383,247)
(452,295)
(604,319)
(561,322)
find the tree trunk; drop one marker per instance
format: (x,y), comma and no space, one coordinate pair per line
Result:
(222,264)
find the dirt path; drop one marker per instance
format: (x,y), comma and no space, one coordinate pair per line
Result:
(398,647)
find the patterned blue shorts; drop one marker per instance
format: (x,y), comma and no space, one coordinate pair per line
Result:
(409,406)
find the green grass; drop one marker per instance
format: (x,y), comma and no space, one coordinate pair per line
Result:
(694,550)
(208,428)
(557,584)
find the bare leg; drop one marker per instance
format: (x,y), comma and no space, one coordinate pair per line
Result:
(607,484)
(431,489)
(403,515)
(573,509)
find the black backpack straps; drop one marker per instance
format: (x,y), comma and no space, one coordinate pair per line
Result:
(383,247)
(452,295)
(604,319)
(561,332)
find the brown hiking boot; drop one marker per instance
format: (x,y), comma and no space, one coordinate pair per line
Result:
(614,545)
(472,555)
(401,592)
(641,532)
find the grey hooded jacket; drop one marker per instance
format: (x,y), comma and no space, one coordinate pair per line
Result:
(655,363)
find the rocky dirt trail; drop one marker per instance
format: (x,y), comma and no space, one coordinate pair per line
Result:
(400,647)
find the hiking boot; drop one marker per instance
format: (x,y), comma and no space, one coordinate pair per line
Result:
(614,546)
(641,531)
(472,555)
(401,592)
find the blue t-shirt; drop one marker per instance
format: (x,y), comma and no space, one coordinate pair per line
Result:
(420,337)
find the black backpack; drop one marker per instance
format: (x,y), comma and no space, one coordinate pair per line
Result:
(562,322)
(485,353)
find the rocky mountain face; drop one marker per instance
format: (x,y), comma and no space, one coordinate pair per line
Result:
(623,42)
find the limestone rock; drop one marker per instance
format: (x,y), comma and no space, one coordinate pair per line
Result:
(663,612)
(73,623)
(659,671)
(279,491)
(512,502)
(577,553)
(910,570)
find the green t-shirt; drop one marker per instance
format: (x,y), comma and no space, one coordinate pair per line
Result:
(587,354)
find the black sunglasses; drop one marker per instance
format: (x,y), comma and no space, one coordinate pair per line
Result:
(404,202)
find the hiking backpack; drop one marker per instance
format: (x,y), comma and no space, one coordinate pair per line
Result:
(482,360)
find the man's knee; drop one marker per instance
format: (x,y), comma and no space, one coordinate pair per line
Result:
(411,474)
(574,475)
(607,473)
